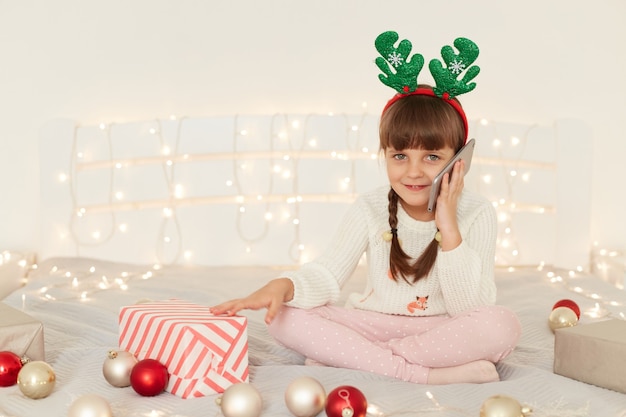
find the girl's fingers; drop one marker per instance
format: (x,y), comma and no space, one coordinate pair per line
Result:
(456,180)
(272,310)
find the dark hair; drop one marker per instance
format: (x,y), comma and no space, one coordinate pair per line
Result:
(417,122)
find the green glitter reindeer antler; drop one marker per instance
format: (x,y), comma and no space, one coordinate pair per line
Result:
(446,78)
(399,70)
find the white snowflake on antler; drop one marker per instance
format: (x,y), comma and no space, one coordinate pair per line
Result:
(456,67)
(395,59)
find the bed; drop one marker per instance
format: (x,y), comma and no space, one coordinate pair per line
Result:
(206,209)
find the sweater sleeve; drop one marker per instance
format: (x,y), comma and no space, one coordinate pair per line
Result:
(466,273)
(319,282)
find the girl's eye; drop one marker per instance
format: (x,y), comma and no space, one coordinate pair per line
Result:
(432,158)
(399,156)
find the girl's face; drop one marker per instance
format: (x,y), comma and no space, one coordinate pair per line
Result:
(411,173)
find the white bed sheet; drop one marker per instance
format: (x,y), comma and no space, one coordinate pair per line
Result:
(80,331)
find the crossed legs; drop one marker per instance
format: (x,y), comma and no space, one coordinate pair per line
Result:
(433,350)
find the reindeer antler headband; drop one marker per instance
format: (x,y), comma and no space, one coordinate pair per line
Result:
(400,70)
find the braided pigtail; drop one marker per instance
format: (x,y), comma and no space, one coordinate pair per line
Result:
(399,261)
(425,262)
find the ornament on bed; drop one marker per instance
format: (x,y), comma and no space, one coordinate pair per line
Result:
(569,304)
(10,365)
(149,377)
(503,406)
(346,401)
(305,397)
(240,400)
(562,317)
(565,313)
(117,368)
(36,379)
(90,405)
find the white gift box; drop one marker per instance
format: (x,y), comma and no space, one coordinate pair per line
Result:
(594,353)
(21,334)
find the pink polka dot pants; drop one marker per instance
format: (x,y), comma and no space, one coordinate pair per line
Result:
(402,347)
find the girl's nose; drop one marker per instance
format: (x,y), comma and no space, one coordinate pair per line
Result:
(415,170)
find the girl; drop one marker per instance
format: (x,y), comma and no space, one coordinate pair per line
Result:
(427,314)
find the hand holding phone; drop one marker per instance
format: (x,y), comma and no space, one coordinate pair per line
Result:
(465,154)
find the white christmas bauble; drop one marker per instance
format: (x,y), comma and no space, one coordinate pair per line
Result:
(241,400)
(305,397)
(90,405)
(117,367)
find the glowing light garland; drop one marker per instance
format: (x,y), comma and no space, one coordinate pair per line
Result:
(283,163)
(284,157)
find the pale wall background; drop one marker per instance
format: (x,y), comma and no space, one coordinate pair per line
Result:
(124,60)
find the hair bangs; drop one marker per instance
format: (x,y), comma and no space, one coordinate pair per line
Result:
(421,122)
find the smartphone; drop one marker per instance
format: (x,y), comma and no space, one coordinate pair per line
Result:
(465,154)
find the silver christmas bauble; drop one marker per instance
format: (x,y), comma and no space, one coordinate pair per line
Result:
(117,367)
(305,397)
(241,400)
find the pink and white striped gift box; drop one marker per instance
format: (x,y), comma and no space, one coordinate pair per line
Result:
(204,353)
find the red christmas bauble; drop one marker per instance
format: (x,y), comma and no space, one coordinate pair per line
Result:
(149,377)
(10,365)
(346,401)
(569,304)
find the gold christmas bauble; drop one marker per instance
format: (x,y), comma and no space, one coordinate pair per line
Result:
(562,317)
(36,379)
(501,406)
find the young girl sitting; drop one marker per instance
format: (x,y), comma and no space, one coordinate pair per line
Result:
(427,314)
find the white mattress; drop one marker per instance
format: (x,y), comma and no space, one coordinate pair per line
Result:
(79,333)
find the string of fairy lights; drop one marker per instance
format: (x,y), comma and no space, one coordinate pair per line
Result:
(83,283)
(284,163)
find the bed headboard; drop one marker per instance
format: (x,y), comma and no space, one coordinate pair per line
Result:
(270,190)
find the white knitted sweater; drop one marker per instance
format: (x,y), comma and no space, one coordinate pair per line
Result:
(461,278)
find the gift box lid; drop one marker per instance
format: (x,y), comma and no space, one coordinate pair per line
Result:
(608,330)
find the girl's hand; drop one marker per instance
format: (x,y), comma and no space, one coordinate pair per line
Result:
(445,213)
(271,296)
